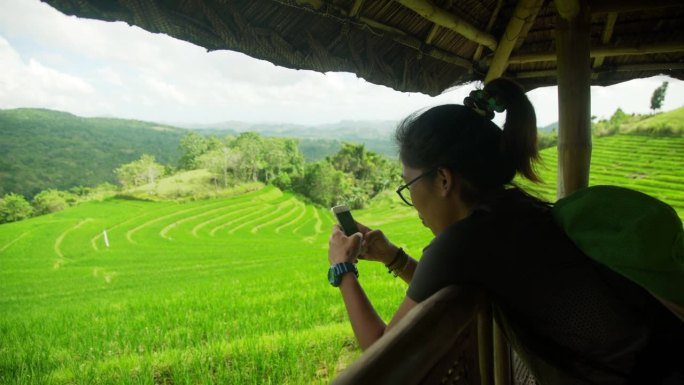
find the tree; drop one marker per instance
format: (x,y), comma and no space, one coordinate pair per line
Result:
(325,185)
(222,162)
(191,147)
(250,145)
(50,201)
(139,172)
(658,97)
(14,207)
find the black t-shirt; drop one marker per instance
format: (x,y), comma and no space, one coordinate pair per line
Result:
(568,317)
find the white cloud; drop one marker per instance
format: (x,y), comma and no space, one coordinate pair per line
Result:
(110,75)
(91,67)
(33,84)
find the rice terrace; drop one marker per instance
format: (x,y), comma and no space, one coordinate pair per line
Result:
(168,168)
(224,290)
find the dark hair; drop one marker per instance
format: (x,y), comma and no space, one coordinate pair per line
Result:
(460,138)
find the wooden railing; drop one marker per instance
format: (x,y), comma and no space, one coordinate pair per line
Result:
(449,338)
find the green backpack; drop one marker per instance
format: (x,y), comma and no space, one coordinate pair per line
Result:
(631,233)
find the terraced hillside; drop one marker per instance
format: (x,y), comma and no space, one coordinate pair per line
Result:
(653,165)
(227,290)
(230,290)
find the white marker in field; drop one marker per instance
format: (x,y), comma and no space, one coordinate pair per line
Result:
(104,233)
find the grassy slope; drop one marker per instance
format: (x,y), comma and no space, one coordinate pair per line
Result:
(49,149)
(670,120)
(228,290)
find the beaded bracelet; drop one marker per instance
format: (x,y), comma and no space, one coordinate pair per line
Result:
(396,257)
(399,271)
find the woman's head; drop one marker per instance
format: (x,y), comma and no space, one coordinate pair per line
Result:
(460,139)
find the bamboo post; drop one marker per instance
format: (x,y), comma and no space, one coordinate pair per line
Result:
(574,97)
(502,357)
(485,345)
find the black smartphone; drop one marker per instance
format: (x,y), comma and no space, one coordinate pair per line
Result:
(345,219)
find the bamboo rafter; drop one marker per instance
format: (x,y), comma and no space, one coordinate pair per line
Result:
(356,8)
(524,15)
(607,6)
(396,34)
(611,18)
(490,24)
(644,49)
(621,68)
(429,11)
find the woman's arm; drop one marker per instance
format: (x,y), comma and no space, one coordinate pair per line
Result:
(366,323)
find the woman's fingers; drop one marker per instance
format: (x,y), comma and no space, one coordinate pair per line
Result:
(362,228)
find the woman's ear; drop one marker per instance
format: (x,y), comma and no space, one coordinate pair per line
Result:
(449,181)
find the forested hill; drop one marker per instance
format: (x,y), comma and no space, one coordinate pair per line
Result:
(49,149)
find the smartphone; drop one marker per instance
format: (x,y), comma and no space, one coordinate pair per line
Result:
(345,219)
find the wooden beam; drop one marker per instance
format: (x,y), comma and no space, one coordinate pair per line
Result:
(502,357)
(485,345)
(535,74)
(490,24)
(393,33)
(607,6)
(525,12)
(574,100)
(606,36)
(431,35)
(403,38)
(644,67)
(356,8)
(621,68)
(430,11)
(645,49)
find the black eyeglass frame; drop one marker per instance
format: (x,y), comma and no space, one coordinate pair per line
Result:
(412,181)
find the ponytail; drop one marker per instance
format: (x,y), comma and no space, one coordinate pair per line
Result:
(519,140)
(463,137)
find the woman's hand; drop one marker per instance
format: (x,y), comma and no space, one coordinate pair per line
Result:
(376,246)
(343,248)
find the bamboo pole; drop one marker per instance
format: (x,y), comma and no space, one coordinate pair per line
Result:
(430,11)
(490,24)
(620,68)
(608,6)
(567,9)
(524,14)
(574,100)
(431,35)
(403,38)
(356,8)
(606,36)
(502,358)
(485,345)
(645,49)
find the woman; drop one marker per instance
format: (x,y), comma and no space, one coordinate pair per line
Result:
(570,319)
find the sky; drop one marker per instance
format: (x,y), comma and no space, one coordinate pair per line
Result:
(96,68)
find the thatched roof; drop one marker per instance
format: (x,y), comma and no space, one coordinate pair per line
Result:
(414,45)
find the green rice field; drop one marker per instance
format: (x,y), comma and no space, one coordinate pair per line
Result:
(653,165)
(230,290)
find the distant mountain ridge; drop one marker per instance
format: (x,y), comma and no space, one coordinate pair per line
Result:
(41,149)
(44,149)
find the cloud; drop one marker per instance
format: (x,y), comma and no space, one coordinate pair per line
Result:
(33,84)
(92,67)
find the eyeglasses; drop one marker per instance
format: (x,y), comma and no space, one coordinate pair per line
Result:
(407,200)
